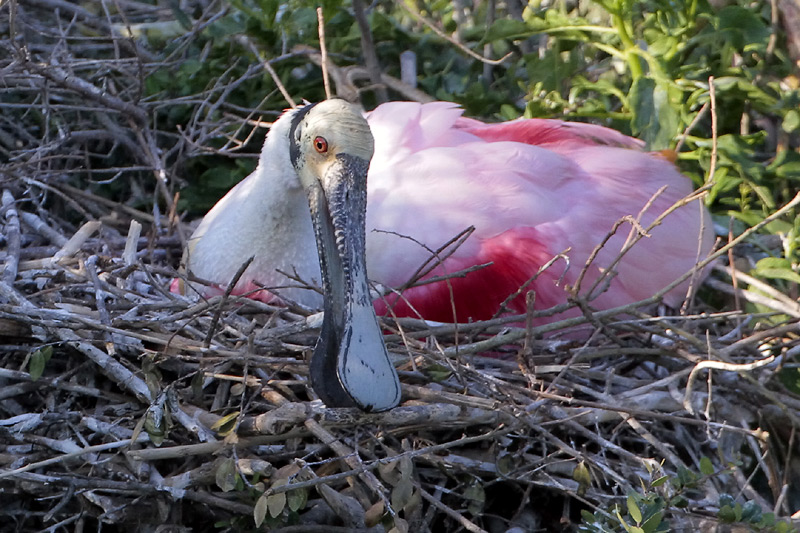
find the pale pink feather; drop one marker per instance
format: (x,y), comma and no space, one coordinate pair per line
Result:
(532,189)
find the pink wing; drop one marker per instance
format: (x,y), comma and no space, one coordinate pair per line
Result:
(552,134)
(531,189)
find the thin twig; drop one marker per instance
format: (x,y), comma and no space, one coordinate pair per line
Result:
(323,52)
(228,291)
(246,42)
(368,48)
(418,16)
(12,234)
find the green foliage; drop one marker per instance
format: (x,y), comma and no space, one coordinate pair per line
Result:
(641,67)
(213,181)
(663,496)
(38,360)
(751,515)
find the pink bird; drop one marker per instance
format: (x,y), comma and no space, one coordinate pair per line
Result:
(531,188)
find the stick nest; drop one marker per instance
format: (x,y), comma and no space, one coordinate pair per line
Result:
(125,405)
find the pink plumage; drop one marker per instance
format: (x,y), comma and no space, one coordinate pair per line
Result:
(531,188)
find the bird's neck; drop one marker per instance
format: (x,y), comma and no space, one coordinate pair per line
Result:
(273,224)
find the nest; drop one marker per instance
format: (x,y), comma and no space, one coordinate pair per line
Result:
(129,407)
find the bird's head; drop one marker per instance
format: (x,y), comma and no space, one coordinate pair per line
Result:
(330,147)
(325,136)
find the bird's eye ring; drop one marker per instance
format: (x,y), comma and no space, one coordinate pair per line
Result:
(320,145)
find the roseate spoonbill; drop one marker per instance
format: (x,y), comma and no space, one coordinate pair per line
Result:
(531,188)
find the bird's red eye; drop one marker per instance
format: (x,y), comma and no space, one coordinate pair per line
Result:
(320,145)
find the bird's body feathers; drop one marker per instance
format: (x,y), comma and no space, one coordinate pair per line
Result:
(531,189)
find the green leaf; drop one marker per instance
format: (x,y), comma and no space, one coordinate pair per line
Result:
(651,524)
(401,494)
(476,496)
(786,165)
(158,81)
(726,514)
(226,424)
(220,177)
(225,476)
(182,18)
(191,67)
(633,509)
(260,510)
(654,119)
(508,29)
(438,373)
(659,481)
(297,499)
(622,522)
(743,27)
(685,477)
(739,512)
(776,268)
(791,121)
(751,512)
(582,475)
(38,361)
(587,517)
(706,466)
(225,27)
(276,503)
(506,463)
(767,520)
(157,421)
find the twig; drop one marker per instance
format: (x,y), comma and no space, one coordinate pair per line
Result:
(228,290)
(12,232)
(112,368)
(778,304)
(131,243)
(59,76)
(466,524)
(345,79)
(719,365)
(42,228)
(712,166)
(691,126)
(417,16)
(352,460)
(474,417)
(246,42)
(66,457)
(515,335)
(368,48)
(437,414)
(99,299)
(323,52)
(76,241)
